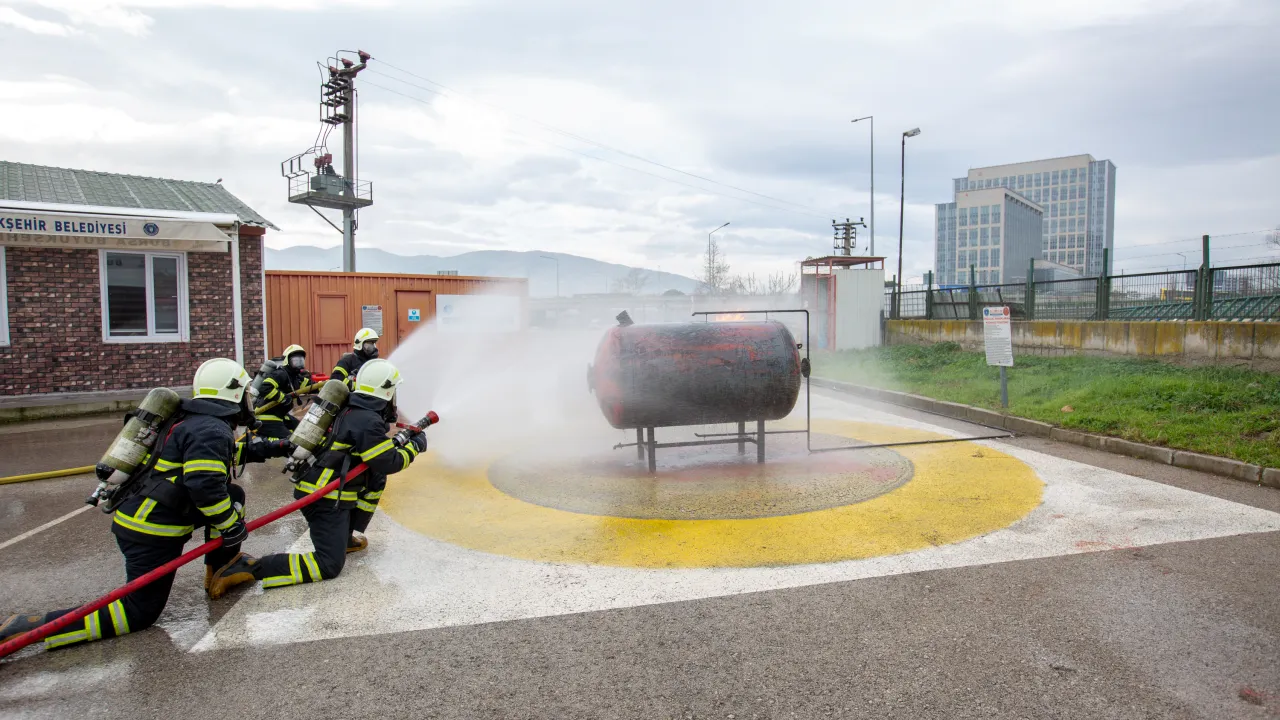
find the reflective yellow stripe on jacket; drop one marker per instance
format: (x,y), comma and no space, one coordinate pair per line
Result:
(325,477)
(139,523)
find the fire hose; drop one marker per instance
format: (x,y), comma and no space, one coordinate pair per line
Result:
(33,636)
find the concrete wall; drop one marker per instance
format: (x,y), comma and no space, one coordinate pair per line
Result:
(1252,343)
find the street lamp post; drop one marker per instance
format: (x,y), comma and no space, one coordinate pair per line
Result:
(872,118)
(557,262)
(902,205)
(710,265)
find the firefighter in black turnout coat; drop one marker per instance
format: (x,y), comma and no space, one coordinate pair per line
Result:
(337,522)
(189,486)
(364,349)
(280,394)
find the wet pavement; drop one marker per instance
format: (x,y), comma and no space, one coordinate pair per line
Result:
(55,444)
(1106,612)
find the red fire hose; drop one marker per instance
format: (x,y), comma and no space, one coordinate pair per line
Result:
(33,636)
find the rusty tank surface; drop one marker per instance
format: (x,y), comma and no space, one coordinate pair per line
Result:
(664,375)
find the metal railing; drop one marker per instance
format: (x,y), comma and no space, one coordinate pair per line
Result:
(1246,293)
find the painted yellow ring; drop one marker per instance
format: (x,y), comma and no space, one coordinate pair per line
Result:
(959,491)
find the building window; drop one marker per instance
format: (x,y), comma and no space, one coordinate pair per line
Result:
(973,216)
(144,297)
(986,215)
(995,258)
(1055,177)
(963,218)
(995,235)
(984,257)
(995,214)
(4,301)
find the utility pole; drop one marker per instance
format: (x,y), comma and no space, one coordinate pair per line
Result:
(872,118)
(902,204)
(846,235)
(347,75)
(321,187)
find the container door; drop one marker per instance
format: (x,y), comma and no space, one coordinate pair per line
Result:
(333,337)
(414,309)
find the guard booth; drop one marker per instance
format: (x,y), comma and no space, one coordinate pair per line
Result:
(844,296)
(322,311)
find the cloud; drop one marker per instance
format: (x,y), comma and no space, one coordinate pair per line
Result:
(130,16)
(13,18)
(1178,93)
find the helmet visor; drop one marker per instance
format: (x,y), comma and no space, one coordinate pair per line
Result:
(297,361)
(370,348)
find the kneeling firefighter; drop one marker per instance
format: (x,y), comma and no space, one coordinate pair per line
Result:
(364,349)
(184,482)
(337,522)
(280,393)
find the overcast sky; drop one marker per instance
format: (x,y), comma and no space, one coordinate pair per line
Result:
(1182,95)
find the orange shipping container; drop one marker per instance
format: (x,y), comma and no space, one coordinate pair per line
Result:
(323,311)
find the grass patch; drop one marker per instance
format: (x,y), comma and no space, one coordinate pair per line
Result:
(1229,412)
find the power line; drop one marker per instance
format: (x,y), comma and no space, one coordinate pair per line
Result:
(577,137)
(618,164)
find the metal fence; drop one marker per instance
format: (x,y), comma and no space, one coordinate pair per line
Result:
(1246,292)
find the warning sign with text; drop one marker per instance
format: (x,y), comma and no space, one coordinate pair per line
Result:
(371,317)
(997,336)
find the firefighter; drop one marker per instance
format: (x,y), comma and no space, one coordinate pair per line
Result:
(189,486)
(337,522)
(281,392)
(364,349)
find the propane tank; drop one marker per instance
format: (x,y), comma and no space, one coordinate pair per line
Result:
(313,426)
(131,446)
(269,366)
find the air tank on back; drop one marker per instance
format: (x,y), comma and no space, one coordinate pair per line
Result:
(695,373)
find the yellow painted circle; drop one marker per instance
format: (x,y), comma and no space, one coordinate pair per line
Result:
(960,490)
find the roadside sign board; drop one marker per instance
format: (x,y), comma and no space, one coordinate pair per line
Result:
(997,336)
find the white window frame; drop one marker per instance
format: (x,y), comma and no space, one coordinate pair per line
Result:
(4,299)
(184,301)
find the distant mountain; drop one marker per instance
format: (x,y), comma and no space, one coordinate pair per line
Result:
(578,275)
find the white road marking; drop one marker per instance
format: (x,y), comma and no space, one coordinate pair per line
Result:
(408,582)
(43,527)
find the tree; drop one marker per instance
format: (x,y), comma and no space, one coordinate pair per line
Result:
(1273,237)
(672,293)
(715,270)
(632,283)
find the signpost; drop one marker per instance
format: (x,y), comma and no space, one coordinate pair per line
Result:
(997,337)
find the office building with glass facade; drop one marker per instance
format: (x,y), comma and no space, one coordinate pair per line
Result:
(994,231)
(1076,199)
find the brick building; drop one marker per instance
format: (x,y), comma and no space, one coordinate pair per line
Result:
(115,283)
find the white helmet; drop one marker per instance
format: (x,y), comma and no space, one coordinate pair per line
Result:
(220,379)
(378,378)
(365,335)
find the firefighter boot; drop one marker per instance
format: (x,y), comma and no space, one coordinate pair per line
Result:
(356,542)
(18,624)
(242,569)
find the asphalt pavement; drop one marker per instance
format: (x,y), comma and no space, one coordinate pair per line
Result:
(1167,630)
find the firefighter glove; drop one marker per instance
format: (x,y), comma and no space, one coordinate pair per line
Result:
(419,441)
(235,534)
